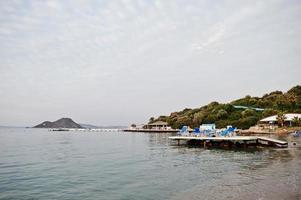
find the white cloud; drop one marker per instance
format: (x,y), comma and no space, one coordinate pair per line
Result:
(53,4)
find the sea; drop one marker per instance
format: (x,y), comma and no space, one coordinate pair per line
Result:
(77,165)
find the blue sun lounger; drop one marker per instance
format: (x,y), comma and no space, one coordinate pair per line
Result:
(196,131)
(184,131)
(227,131)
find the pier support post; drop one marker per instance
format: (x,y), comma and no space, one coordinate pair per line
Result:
(229,144)
(204,144)
(245,144)
(178,142)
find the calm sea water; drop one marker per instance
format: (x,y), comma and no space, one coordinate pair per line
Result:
(39,164)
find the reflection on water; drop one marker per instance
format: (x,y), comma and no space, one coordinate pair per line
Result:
(257,174)
(38,164)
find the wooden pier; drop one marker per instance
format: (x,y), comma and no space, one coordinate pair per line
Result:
(236,141)
(272,141)
(87,129)
(142,130)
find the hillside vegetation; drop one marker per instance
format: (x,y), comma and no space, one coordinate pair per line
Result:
(226,114)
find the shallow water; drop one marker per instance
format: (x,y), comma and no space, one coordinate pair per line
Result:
(40,164)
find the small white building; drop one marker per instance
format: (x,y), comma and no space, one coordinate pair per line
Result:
(208,127)
(272,120)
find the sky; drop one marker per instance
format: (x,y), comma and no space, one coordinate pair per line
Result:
(121,62)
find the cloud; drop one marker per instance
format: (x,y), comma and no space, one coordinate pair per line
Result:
(53,4)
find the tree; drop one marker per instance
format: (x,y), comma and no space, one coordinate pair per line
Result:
(221,114)
(198,118)
(183,121)
(246,122)
(252,101)
(261,103)
(212,105)
(295,90)
(151,120)
(229,108)
(248,112)
(292,100)
(280,102)
(276,93)
(280,119)
(211,118)
(162,118)
(269,112)
(248,97)
(296,121)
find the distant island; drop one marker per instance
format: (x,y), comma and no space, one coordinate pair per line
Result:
(241,113)
(69,123)
(61,123)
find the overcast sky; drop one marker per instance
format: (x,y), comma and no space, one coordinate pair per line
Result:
(118,62)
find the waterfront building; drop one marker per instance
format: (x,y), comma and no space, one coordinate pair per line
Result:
(157,125)
(272,120)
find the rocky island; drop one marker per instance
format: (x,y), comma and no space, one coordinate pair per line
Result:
(61,123)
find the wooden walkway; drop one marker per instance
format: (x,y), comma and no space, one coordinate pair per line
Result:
(142,130)
(87,129)
(278,143)
(245,140)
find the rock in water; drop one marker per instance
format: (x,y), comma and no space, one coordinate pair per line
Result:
(61,123)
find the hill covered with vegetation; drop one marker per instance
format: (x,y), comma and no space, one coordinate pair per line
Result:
(235,113)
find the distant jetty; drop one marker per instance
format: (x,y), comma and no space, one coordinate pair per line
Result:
(156,127)
(61,123)
(142,130)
